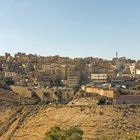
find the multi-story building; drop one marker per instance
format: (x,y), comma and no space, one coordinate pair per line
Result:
(132,68)
(99,77)
(71,82)
(137,68)
(9,74)
(63,69)
(5,67)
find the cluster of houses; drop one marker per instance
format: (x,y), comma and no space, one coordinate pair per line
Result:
(34,70)
(27,70)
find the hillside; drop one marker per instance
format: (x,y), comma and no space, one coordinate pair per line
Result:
(31,122)
(8,98)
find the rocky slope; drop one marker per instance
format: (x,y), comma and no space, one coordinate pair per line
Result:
(31,122)
(8,98)
(21,119)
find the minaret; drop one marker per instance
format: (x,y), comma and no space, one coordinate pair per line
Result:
(117,61)
(116,54)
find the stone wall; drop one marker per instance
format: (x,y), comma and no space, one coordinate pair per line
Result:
(103,92)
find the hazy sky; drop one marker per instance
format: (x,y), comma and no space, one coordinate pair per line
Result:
(79,28)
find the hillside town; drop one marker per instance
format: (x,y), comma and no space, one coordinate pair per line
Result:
(69,70)
(117,79)
(99,96)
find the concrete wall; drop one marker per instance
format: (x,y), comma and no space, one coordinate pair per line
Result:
(103,92)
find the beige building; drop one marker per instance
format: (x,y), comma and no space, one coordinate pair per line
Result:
(9,74)
(137,71)
(5,67)
(132,68)
(71,82)
(63,69)
(45,67)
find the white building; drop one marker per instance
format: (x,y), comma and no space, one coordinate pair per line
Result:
(99,77)
(137,71)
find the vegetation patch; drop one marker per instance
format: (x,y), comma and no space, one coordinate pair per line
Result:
(56,133)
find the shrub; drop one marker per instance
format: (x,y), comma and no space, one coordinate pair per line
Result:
(9,81)
(54,134)
(72,133)
(102,101)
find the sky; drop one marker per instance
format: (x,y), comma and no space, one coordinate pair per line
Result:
(74,28)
